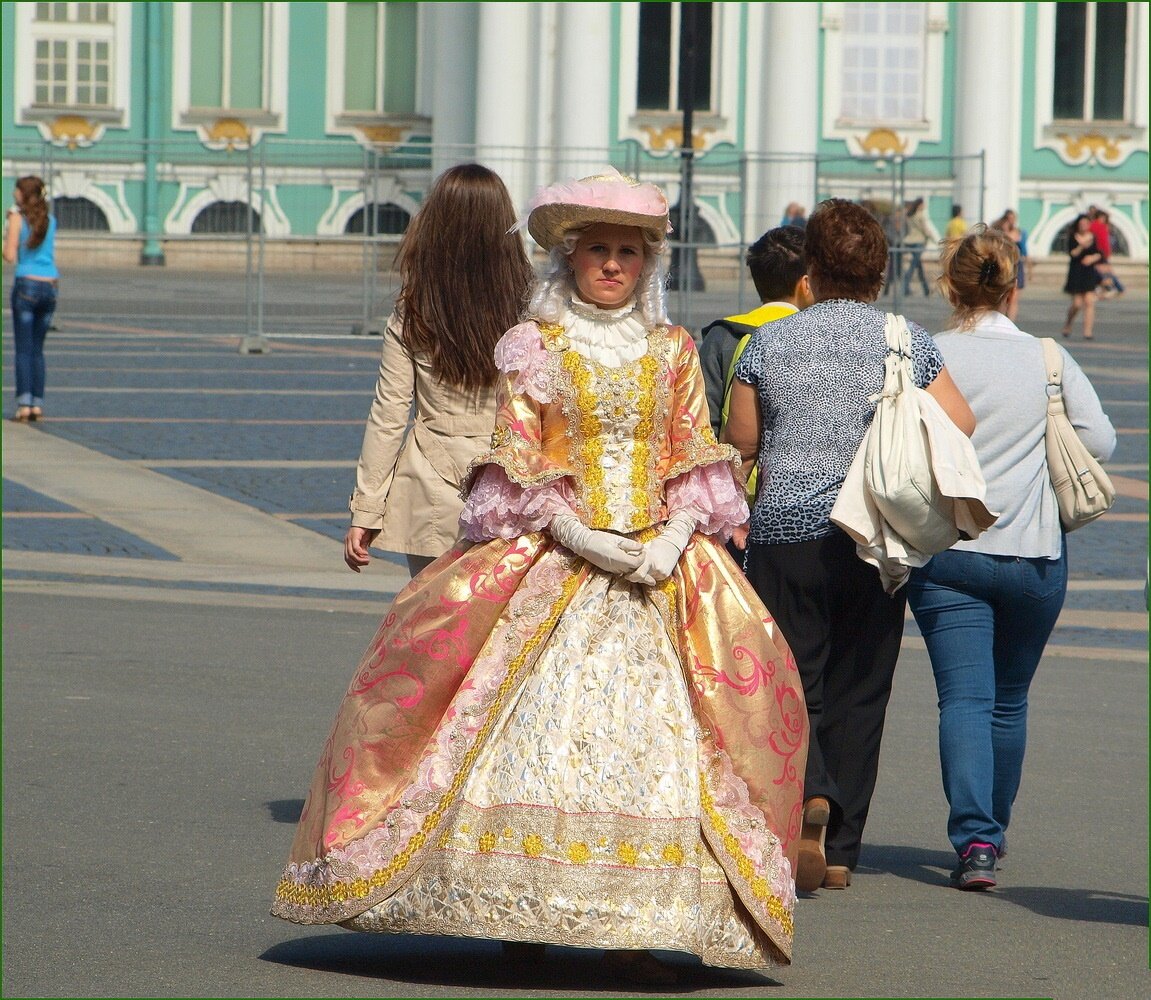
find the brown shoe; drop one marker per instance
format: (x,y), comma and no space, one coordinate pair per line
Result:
(837,877)
(811,865)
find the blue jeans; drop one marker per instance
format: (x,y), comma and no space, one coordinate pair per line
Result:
(986,620)
(33,305)
(915,264)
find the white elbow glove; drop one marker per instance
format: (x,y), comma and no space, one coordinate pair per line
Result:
(662,553)
(610,552)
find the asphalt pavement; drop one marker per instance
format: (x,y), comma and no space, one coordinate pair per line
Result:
(179,628)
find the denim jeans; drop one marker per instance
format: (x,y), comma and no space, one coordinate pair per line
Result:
(915,264)
(33,304)
(986,620)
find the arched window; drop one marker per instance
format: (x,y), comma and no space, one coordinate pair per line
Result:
(389,220)
(1119,246)
(226,217)
(81,214)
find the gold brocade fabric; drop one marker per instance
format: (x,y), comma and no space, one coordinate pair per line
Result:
(579,823)
(532,749)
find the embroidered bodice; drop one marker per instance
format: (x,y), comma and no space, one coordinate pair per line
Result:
(598,414)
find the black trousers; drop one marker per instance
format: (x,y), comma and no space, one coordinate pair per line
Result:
(844,632)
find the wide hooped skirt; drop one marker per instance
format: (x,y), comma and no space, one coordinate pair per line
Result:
(534,750)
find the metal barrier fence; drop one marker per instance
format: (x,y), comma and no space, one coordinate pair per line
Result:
(283,207)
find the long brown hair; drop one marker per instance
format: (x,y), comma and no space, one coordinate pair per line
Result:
(34,208)
(464,276)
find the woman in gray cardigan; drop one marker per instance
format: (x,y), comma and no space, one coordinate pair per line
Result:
(987,607)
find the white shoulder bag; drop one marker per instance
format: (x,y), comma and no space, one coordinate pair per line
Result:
(1082,489)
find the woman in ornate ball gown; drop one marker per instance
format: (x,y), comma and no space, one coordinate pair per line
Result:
(580,726)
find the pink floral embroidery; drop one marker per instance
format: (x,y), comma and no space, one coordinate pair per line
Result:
(527,609)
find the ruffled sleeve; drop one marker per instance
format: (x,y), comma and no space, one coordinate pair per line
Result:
(515,486)
(711,495)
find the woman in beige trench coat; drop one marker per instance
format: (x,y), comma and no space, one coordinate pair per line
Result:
(464,278)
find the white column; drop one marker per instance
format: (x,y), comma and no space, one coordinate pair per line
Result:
(506,71)
(988,106)
(783,112)
(582,88)
(448,36)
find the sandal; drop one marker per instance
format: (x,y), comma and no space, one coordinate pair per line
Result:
(23,414)
(639,967)
(35,413)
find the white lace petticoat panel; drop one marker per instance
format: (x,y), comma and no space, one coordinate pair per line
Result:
(580,821)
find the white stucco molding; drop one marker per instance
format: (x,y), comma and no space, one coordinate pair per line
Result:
(221,128)
(199,189)
(1063,201)
(660,132)
(347,199)
(80,183)
(884,137)
(1109,144)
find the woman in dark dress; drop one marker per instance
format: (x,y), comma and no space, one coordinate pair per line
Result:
(1082,277)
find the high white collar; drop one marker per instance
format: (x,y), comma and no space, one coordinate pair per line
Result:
(611,337)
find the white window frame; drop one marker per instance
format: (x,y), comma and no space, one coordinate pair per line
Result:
(654,128)
(117,33)
(927,129)
(338,120)
(272,117)
(1077,141)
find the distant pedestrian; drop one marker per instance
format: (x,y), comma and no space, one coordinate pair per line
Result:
(464,279)
(1008,224)
(957,225)
(986,607)
(1109,284)
(916,235)
(1082,276)
(30,244)
(794,215)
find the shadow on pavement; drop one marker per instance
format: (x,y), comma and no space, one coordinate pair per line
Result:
(480,964)
(285,810)
(1078,904)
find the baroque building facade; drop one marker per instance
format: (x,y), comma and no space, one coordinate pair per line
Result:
(161,121)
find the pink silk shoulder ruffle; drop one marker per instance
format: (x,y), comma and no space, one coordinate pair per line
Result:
(522,351)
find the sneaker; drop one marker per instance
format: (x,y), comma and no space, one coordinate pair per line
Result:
(976,869)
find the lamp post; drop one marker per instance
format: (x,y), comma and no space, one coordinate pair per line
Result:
(687,274)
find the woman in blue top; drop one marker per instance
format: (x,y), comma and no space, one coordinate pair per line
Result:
(30,244)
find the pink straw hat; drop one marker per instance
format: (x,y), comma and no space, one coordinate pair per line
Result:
(609,197)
